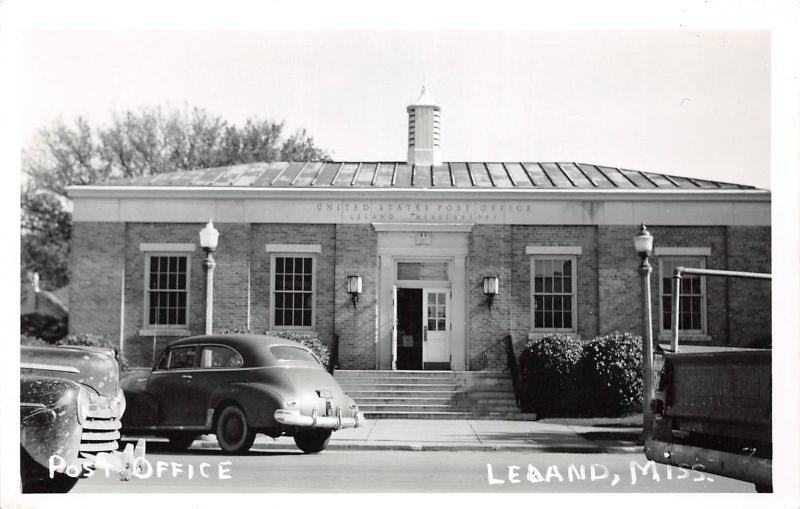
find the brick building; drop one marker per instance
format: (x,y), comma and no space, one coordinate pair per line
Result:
(422,234)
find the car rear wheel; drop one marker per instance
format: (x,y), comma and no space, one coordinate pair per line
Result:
(313,440)
(180,441)
(233,433)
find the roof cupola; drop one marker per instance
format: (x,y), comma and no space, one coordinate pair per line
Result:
(423,131)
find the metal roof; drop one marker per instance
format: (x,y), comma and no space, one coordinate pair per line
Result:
(400,175)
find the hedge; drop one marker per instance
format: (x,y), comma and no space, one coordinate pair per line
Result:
(562,376)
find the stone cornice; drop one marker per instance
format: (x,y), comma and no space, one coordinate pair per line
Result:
(231,193)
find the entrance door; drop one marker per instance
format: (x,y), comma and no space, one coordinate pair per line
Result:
(408,319)
(436,328)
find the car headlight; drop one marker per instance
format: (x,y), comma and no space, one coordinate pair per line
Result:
(119,404)
(83,403)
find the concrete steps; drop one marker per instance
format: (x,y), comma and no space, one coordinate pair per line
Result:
(432,394)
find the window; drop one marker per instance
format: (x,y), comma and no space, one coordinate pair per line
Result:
(293,353)
(553,297)
(693,295)
(182,357)
(422,271)
(437,311)
(220,357)
(167,290)
(293,291)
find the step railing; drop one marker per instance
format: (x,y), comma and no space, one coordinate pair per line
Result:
(333,360)
(511,363)
(513,368)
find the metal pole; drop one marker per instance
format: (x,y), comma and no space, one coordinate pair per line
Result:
(676,306)
(645,269)
(208,265)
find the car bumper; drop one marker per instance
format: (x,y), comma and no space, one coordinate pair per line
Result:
(295,418)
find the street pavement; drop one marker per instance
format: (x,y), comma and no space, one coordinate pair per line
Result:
(200,470)
(465,435)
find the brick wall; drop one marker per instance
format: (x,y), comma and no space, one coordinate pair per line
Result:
(96,262)
(587,303)
(609,293)
(716,287)
(356,253)
(750,305)
(489,255)
(141,350)
(260,272)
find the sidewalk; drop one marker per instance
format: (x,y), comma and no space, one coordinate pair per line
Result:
(466,435)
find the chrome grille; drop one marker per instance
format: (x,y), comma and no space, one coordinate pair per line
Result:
(100,430)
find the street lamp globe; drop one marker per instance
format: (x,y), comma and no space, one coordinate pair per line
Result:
(643,242)
(209,236)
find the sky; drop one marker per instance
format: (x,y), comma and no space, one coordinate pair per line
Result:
(682,102)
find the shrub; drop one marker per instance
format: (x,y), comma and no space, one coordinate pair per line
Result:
(27,339)
(549,368)
(46,327)
(613,372)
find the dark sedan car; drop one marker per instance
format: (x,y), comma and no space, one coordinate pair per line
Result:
(236,386)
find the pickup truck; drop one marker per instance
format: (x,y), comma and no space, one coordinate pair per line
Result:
(713,410)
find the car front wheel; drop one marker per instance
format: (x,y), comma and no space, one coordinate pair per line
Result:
(313,440)
(36,478)
(233,433)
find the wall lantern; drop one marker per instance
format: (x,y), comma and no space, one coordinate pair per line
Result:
(491,287)
(354,288)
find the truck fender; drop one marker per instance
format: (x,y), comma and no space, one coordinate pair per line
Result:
(258,400)
(49,419)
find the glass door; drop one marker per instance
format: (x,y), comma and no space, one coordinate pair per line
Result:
(436,328)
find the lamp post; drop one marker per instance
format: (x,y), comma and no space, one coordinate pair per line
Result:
(209,236)
(643,242)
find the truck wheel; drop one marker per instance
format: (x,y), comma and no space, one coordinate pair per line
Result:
(36,478)
(180,441)
(233,433)
(312,441)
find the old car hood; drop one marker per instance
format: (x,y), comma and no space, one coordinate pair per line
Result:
(95,367)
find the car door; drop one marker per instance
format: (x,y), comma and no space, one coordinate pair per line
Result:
(219,365)
(172,386)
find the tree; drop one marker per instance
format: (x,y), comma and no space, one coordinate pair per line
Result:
(134,143)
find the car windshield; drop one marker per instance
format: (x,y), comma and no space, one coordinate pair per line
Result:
(292,353)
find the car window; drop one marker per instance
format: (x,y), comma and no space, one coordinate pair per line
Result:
(220,357)
(182,357)
(162,362)
(292,353)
